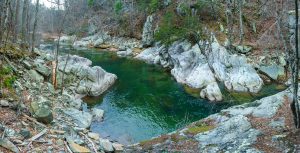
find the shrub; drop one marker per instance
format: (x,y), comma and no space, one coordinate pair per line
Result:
(8,82)
(118,6)
(174,27)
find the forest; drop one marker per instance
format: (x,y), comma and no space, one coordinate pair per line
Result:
(149,76)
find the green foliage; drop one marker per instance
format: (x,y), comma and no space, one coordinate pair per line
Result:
(8,82)
(154,5)
(199,129)
(91,3)
(6,77)
(5,70)
(174,27)
(118,6)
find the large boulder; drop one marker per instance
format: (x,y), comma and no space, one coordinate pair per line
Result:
(149,55)
(212,92)
(233,70)
(81,118)
(44,70)
(273,71)
(74,63)
(41,110)
(35,76)
(95,81)
(148,32)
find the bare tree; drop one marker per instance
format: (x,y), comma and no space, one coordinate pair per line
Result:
(295,104)
(16,23)
(24,19)
(241,22)
(35,24)
(229,18)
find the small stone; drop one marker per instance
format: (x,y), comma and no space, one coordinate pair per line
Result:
(118,147)
(94,136)
(77,148)
(26,64)
(243,49)
(4,103)
(106,145)
(25,133)
(97,113)
(60,142)
(8,145)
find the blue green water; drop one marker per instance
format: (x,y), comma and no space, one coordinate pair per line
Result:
(146,101)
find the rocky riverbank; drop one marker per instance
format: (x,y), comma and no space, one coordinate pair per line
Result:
(264,125)
(43,119)
(204,69)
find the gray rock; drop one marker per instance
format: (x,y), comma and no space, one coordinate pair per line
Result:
(44,70)
(26,64)
(82,119)
(98,42)
(4,103)
(148,32)
(118,147)
(66,39)
(41,110)
(243,49)
(149,55)
(8,145)
(235,134)
(25,133)
(278,123)
(34,76)
(94,136)
(126,53)
(273,71)
(269,105)
(106,145)
(212,92)
(98,82)
(239,110)
(98,113)
(234,70)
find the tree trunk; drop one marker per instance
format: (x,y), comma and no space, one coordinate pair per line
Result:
(229,23)
(35,24)
(16,23)
(24,16)
(295,104)
(241,22)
